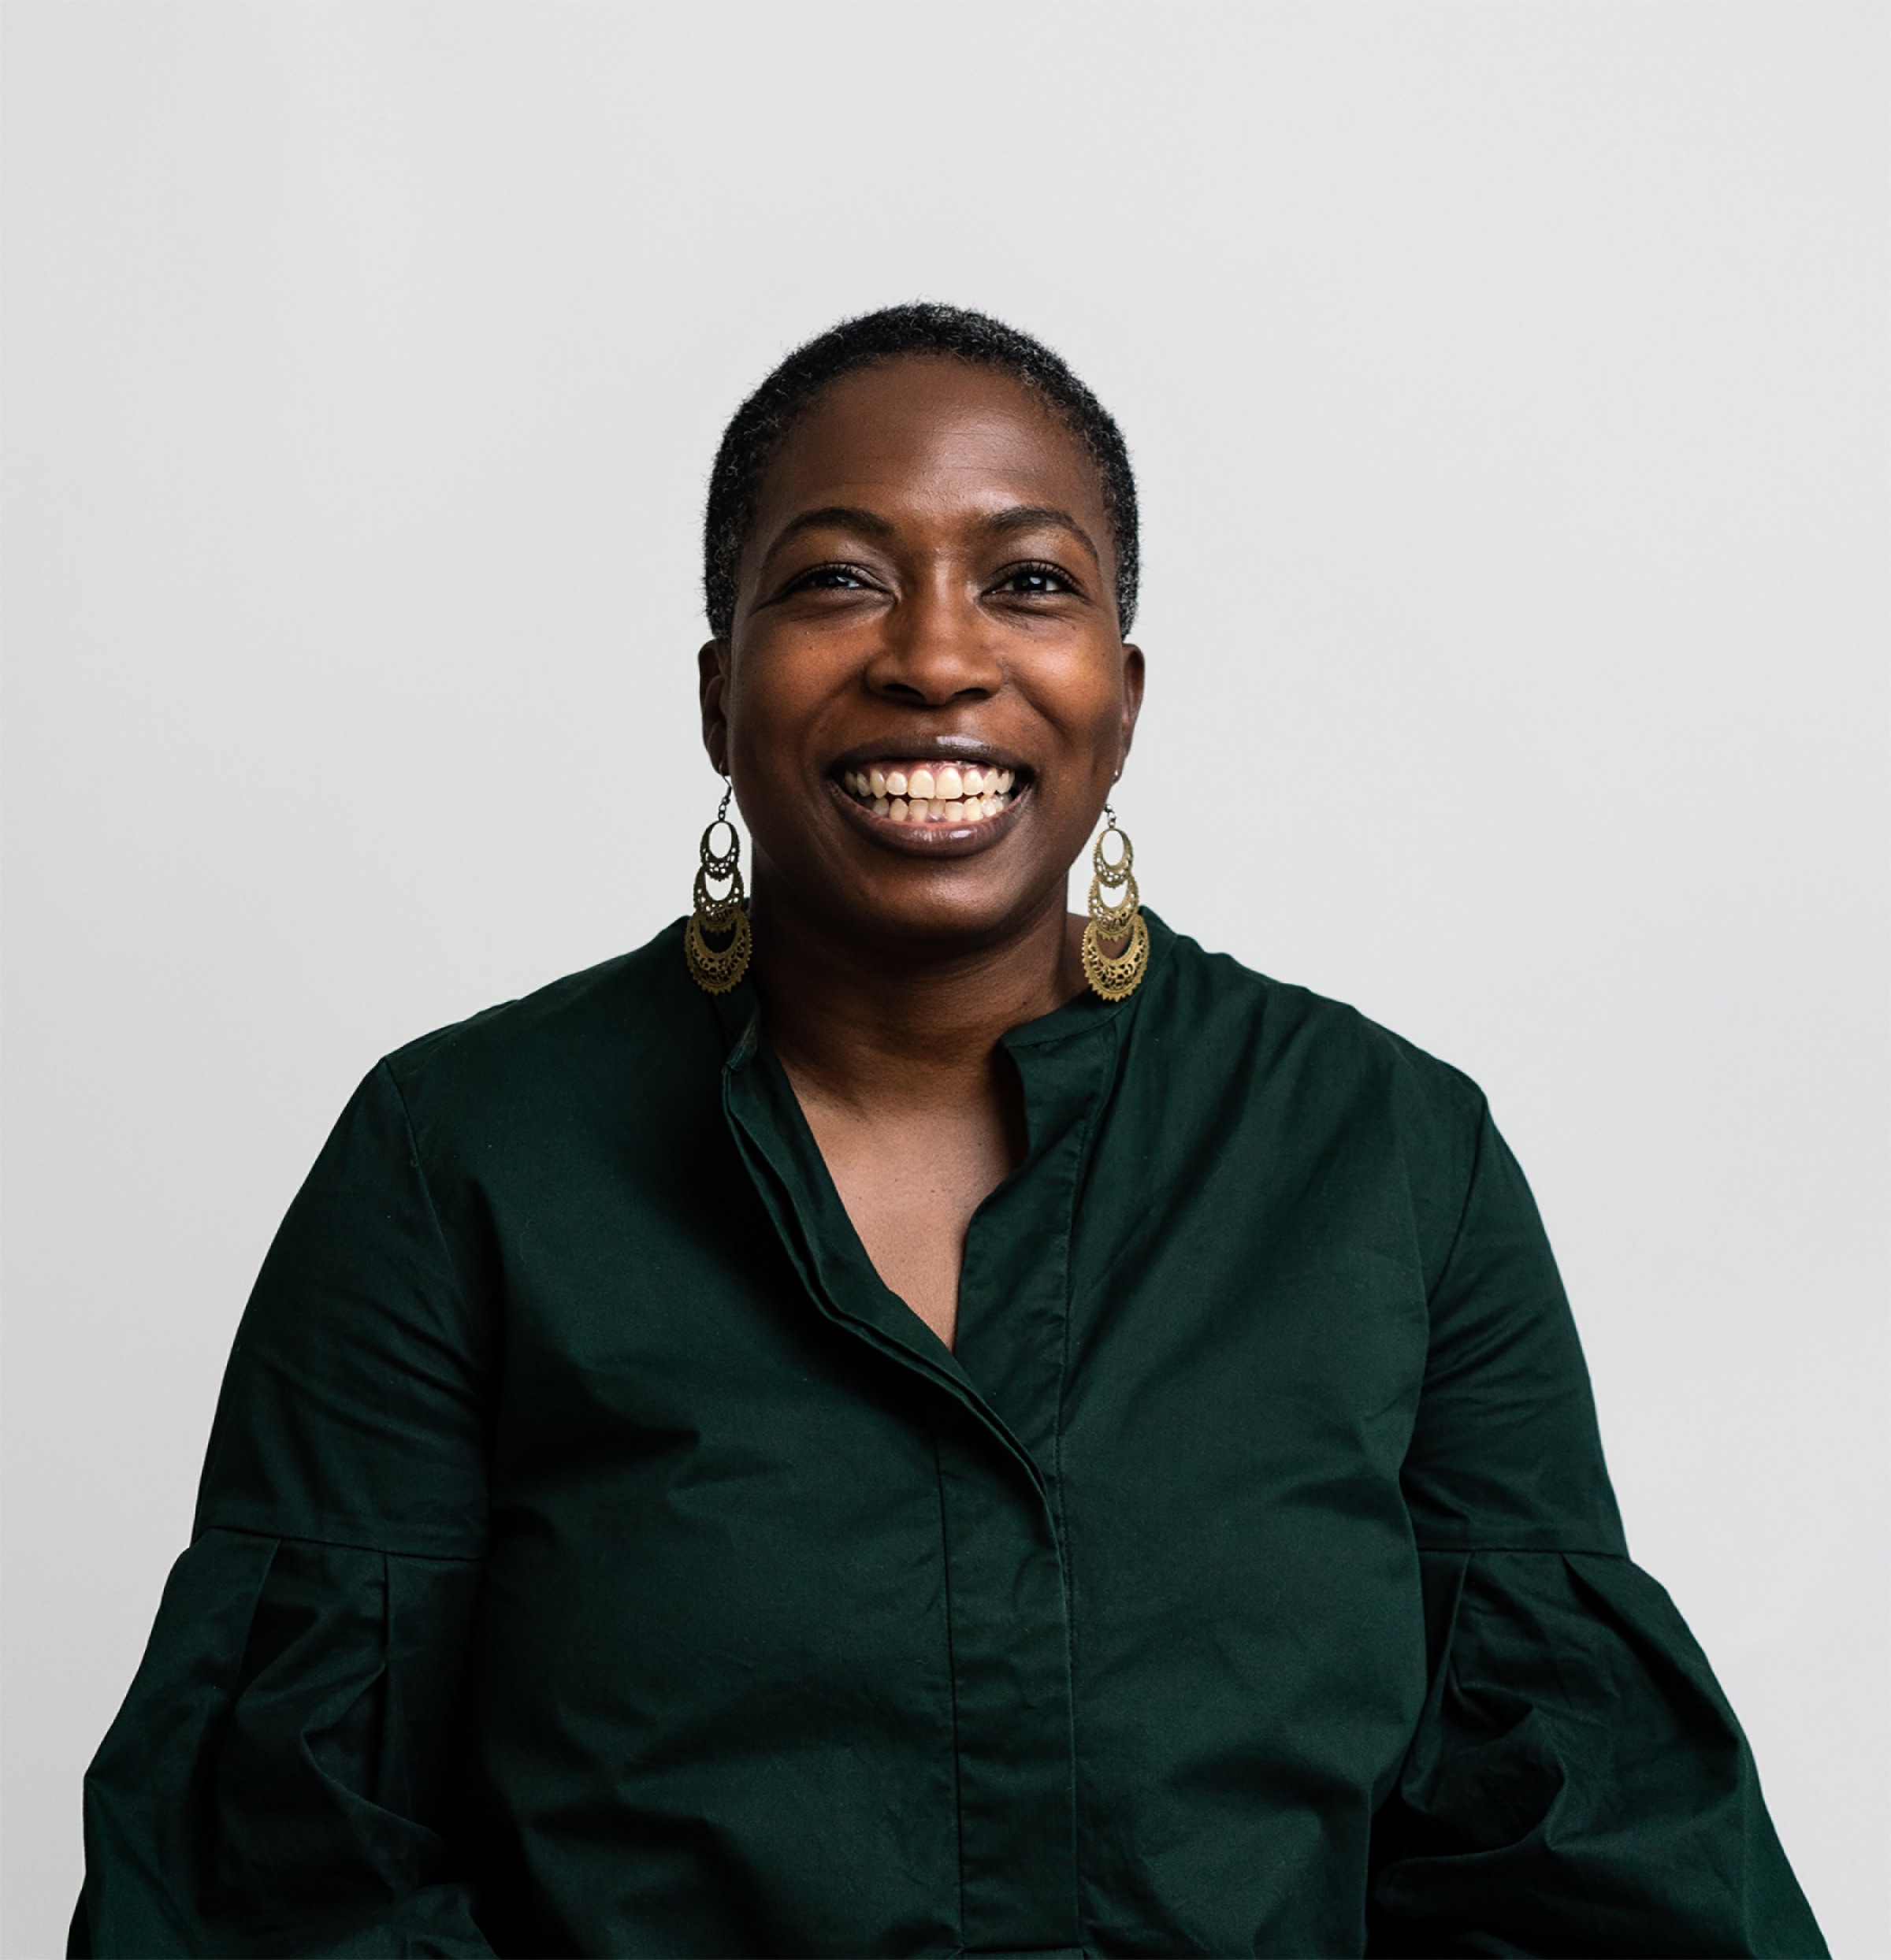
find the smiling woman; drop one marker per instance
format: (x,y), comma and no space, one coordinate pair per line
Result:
(932,1425)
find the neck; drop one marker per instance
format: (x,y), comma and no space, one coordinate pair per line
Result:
(868,1023)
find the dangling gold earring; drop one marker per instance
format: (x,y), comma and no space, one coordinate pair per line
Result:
(717,972)
(1115,978)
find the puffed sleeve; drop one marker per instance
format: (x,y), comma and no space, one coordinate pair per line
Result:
(281,1778)
(1577,1784)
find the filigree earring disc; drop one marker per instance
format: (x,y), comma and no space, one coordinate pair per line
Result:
(1115,914)
(716,969)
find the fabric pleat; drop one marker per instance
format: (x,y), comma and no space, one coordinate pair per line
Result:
(286,1760)
(1577,1784)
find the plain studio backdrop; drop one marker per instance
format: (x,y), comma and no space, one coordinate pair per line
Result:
(1507,383)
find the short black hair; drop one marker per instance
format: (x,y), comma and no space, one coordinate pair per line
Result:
(760,426)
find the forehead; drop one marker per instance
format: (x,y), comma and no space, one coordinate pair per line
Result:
(937,433)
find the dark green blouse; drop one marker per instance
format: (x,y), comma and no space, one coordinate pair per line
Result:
(594,1557)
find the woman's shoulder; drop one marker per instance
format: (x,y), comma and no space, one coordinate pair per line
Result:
(1249,1021)
(636,1014)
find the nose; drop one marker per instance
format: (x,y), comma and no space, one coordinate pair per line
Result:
(937,650)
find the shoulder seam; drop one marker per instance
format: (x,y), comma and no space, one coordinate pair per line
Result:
(1464,1207)
(426,1190)
(341,1545)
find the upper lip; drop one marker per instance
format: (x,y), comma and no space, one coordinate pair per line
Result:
(935,747)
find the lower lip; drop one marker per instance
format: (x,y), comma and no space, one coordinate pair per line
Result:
(934,840)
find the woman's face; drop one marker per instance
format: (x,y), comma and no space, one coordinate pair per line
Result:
(925,695)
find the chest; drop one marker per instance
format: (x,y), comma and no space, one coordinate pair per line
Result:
(1178,1342)
(911,1182)
(1140,1542)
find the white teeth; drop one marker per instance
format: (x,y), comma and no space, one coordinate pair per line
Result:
(949,795)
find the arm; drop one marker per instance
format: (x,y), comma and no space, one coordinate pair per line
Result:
(1578,1783)
(281,1777)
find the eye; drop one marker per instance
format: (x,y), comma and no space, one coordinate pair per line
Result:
(830,578)
(1035,581)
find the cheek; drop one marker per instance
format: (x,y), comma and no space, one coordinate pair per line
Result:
(781,683)
(769,700)
(1082,696)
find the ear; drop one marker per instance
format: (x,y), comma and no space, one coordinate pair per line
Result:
(712,691)
(1132,698)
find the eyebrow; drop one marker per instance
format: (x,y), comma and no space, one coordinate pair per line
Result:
(1037,517)
(1019,517)
(842,516)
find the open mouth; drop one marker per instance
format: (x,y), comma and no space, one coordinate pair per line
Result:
(932,792)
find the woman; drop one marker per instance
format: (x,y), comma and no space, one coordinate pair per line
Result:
(904,1422)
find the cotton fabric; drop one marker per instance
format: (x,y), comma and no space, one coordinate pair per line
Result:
(593,1557)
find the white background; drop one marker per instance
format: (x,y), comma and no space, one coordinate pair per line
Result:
(1508,387)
